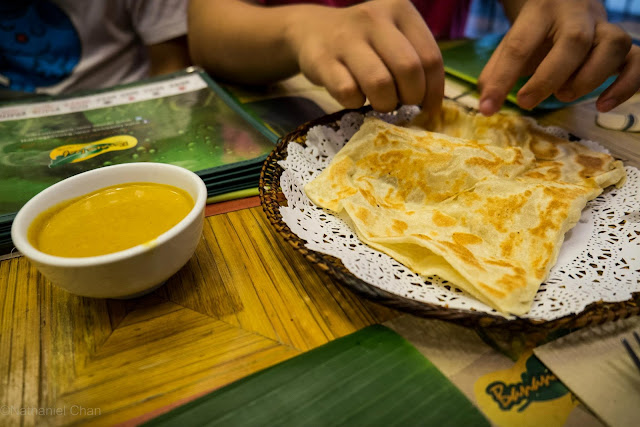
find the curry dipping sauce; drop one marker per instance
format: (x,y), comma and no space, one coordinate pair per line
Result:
(109,220)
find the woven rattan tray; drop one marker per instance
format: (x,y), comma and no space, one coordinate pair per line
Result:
(272,199)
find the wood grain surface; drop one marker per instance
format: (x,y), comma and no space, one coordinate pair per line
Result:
(244,302)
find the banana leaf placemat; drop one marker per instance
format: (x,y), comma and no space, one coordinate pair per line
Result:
(371,377)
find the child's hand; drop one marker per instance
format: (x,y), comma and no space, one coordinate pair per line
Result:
(380,50)
(571,50)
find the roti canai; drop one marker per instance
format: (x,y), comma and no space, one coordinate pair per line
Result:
(482,202)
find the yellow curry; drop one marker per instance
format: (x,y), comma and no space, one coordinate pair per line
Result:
(109,220)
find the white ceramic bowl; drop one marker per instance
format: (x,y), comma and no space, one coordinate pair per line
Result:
(126,273)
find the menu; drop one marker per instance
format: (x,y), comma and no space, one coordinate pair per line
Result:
(184,119)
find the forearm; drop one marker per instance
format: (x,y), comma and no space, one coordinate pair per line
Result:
(242,42)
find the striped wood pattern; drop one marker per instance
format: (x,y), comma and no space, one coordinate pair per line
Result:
(245,301)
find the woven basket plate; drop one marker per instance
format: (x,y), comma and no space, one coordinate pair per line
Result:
(272,199)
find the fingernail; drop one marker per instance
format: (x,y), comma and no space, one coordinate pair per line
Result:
(487,106)
(527,100)
(607,104)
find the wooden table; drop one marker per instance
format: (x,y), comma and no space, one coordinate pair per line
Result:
(244,302)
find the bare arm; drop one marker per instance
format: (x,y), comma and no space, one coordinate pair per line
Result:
(240,41)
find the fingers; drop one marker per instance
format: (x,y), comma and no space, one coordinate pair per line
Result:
(626,84)
(430,57)
(338,81)
(572,47)
(390,57)
(585,50)
(374,78)
(404,45)
(357,74)
(403,63)
(508,61)
(611,45)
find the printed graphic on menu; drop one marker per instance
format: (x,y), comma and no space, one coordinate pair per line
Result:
(528,394)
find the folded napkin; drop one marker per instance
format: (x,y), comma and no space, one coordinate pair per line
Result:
(595,366)
(625,117)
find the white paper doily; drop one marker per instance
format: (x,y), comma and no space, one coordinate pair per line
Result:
(599,260)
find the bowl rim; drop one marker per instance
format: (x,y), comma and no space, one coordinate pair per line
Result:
(21,241)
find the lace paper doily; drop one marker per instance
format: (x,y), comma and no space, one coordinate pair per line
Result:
(599,259)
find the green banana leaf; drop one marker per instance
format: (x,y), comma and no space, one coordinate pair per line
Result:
(373,377)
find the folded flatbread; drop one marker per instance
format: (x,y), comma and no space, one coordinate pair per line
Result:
(482,202)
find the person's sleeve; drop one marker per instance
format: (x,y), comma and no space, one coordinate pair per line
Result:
(157,21)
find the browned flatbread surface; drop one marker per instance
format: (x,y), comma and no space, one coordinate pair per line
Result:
(482,202)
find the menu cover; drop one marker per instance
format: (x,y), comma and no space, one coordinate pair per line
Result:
(184,119)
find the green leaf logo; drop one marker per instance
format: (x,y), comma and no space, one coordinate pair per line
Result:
(74,153)
(537,384)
